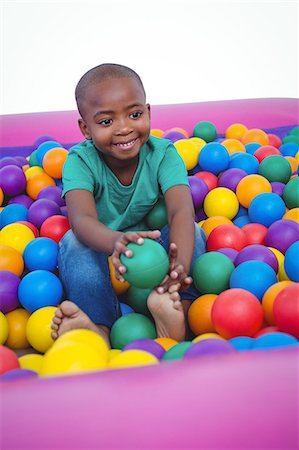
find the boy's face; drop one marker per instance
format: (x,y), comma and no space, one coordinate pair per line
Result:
(116,118)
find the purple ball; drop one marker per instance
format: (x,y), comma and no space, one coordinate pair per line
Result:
(199,190)
(209,346)
(257,252)
(8,161)
(63,210)
(42,139)
(9,284)
(230,178)
(18,373)
(148,345)
(277,187)
(200,215)
(174,135)
(41,209)
(12,180)
(52,193)
(21,161)
(231,253)
(282,234)
(21,199)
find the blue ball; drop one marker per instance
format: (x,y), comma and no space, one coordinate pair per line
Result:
(41,253)
(244,161)
(274,340)
(242,343)
(214,158)
(241,212)
(125,309)
(241,221)
(252,147)
(38,289)
(291,262)
(289,149)
(266,208)
(43,148)
(253,276)
(13,213)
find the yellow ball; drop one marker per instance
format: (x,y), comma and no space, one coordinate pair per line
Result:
(31,361)
(86,337)
(251,186)
(188,151)
(207,336)
(131,358)
(200,143)
(221,202)
(3,328)
(17,322)
(292,214)
(157,132)
(11,260)
(112,353)
(32,171)
(17,236)
(38,329)
(118,286)
(71,358)
(282,276)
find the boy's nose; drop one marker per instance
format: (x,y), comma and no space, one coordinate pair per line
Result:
(123,127)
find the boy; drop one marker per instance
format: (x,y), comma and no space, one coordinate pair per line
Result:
(111,181)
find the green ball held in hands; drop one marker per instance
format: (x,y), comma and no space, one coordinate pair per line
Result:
(148,266)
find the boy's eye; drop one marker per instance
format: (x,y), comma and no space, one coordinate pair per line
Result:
(105,122)
(135,114)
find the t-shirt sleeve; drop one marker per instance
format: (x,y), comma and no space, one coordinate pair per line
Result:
(172,170)
(76,175)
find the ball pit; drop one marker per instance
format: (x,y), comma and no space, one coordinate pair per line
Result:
(237,382)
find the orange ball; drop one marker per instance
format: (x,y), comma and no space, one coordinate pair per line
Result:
(1,196)
(54,160)
(118,286)
(292,214)
(11,260)
(268,300)
(233,146)
(255,135)
(157,132)
(17,321)
(166,343)
(37,182)
(199,314)
(213,222)
(294,163)
(251,186)
(235,131)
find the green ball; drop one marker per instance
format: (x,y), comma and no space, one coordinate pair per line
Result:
(276,168)
(291,138)
(157,217)
(177,351)
(131,327)
(211,272)
(33,160)
(294,131)
(206,131)
(291,193)
(148,266)
(137,299)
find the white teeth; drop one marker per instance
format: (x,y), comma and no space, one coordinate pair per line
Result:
(126,144)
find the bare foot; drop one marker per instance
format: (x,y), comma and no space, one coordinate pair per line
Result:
(168,313)
(68,316)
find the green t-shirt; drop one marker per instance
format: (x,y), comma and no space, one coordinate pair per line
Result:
(122,207)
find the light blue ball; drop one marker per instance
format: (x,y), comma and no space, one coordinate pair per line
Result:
(242,343)
(244,161)
(41,253)
(214,158)
(291,262)
(43,148)
(13,213)
(274,340)
(266,208)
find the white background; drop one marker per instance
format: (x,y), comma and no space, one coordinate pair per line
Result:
(184,50)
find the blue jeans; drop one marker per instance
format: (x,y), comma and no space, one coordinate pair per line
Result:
(85,276)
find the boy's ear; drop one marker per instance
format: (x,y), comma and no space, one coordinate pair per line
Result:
(84,129)
(149,109)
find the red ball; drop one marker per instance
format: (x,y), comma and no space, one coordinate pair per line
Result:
(264,151)
(31,226)
(209,178)
(274,140)
(237,312)
(8,360)
(255,233)
(226,236)
(286,310)
(265,330)
(55,227)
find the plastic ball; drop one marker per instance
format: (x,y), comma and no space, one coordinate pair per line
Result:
(241,221)
(231,253)
(147,345)
(200,143)
(40,210)
(9,283)
(255,135)
(11,260)
(275,168)
(86,337)
(233,146)
(291,262)
(38,328)
(43,148)
(293,163)
(37,182)
(132,358)
(291,193)
(230,178)
(211,272)
(30,226)
(209,178)
(52,193)
(8,360)
(13,213)
(198,189)
(277,187)
(205,336)
(212,222)
(32,171)
(205,130)
(214,158)
(31,361)
(53,161)
(209,347)
(252,147)
(12,180)
(255,233)
(269,298)
(148,265)
(166,343)
(291,138)
(242,343)
(137,299)
(266,208)
(226,236)
(17,374)
(282,234)
(251,186)
(21,199)
(244,161)
(188,151)
(41,253)
(125,309)
(17,321)
(38,289)
(221,202)
(289,149)
(274,140)
(253,276)
(118,286)
(292,214)
(177,351)
(265,151)
(286,310)
(174,135)
(131,327)
(274,340)
(237,312)
(3,328)
(235,131)
(157,132)
(157,217)
(257,252)
(55,227)
(199,314)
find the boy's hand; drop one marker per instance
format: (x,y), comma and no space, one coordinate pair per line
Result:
(176,274)
(120,247)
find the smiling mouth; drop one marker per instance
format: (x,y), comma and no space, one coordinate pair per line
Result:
(126,145)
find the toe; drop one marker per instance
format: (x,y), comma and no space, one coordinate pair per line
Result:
(54,326)
(57,320)
(54,335)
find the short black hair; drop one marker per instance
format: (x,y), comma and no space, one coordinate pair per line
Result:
(100,73)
